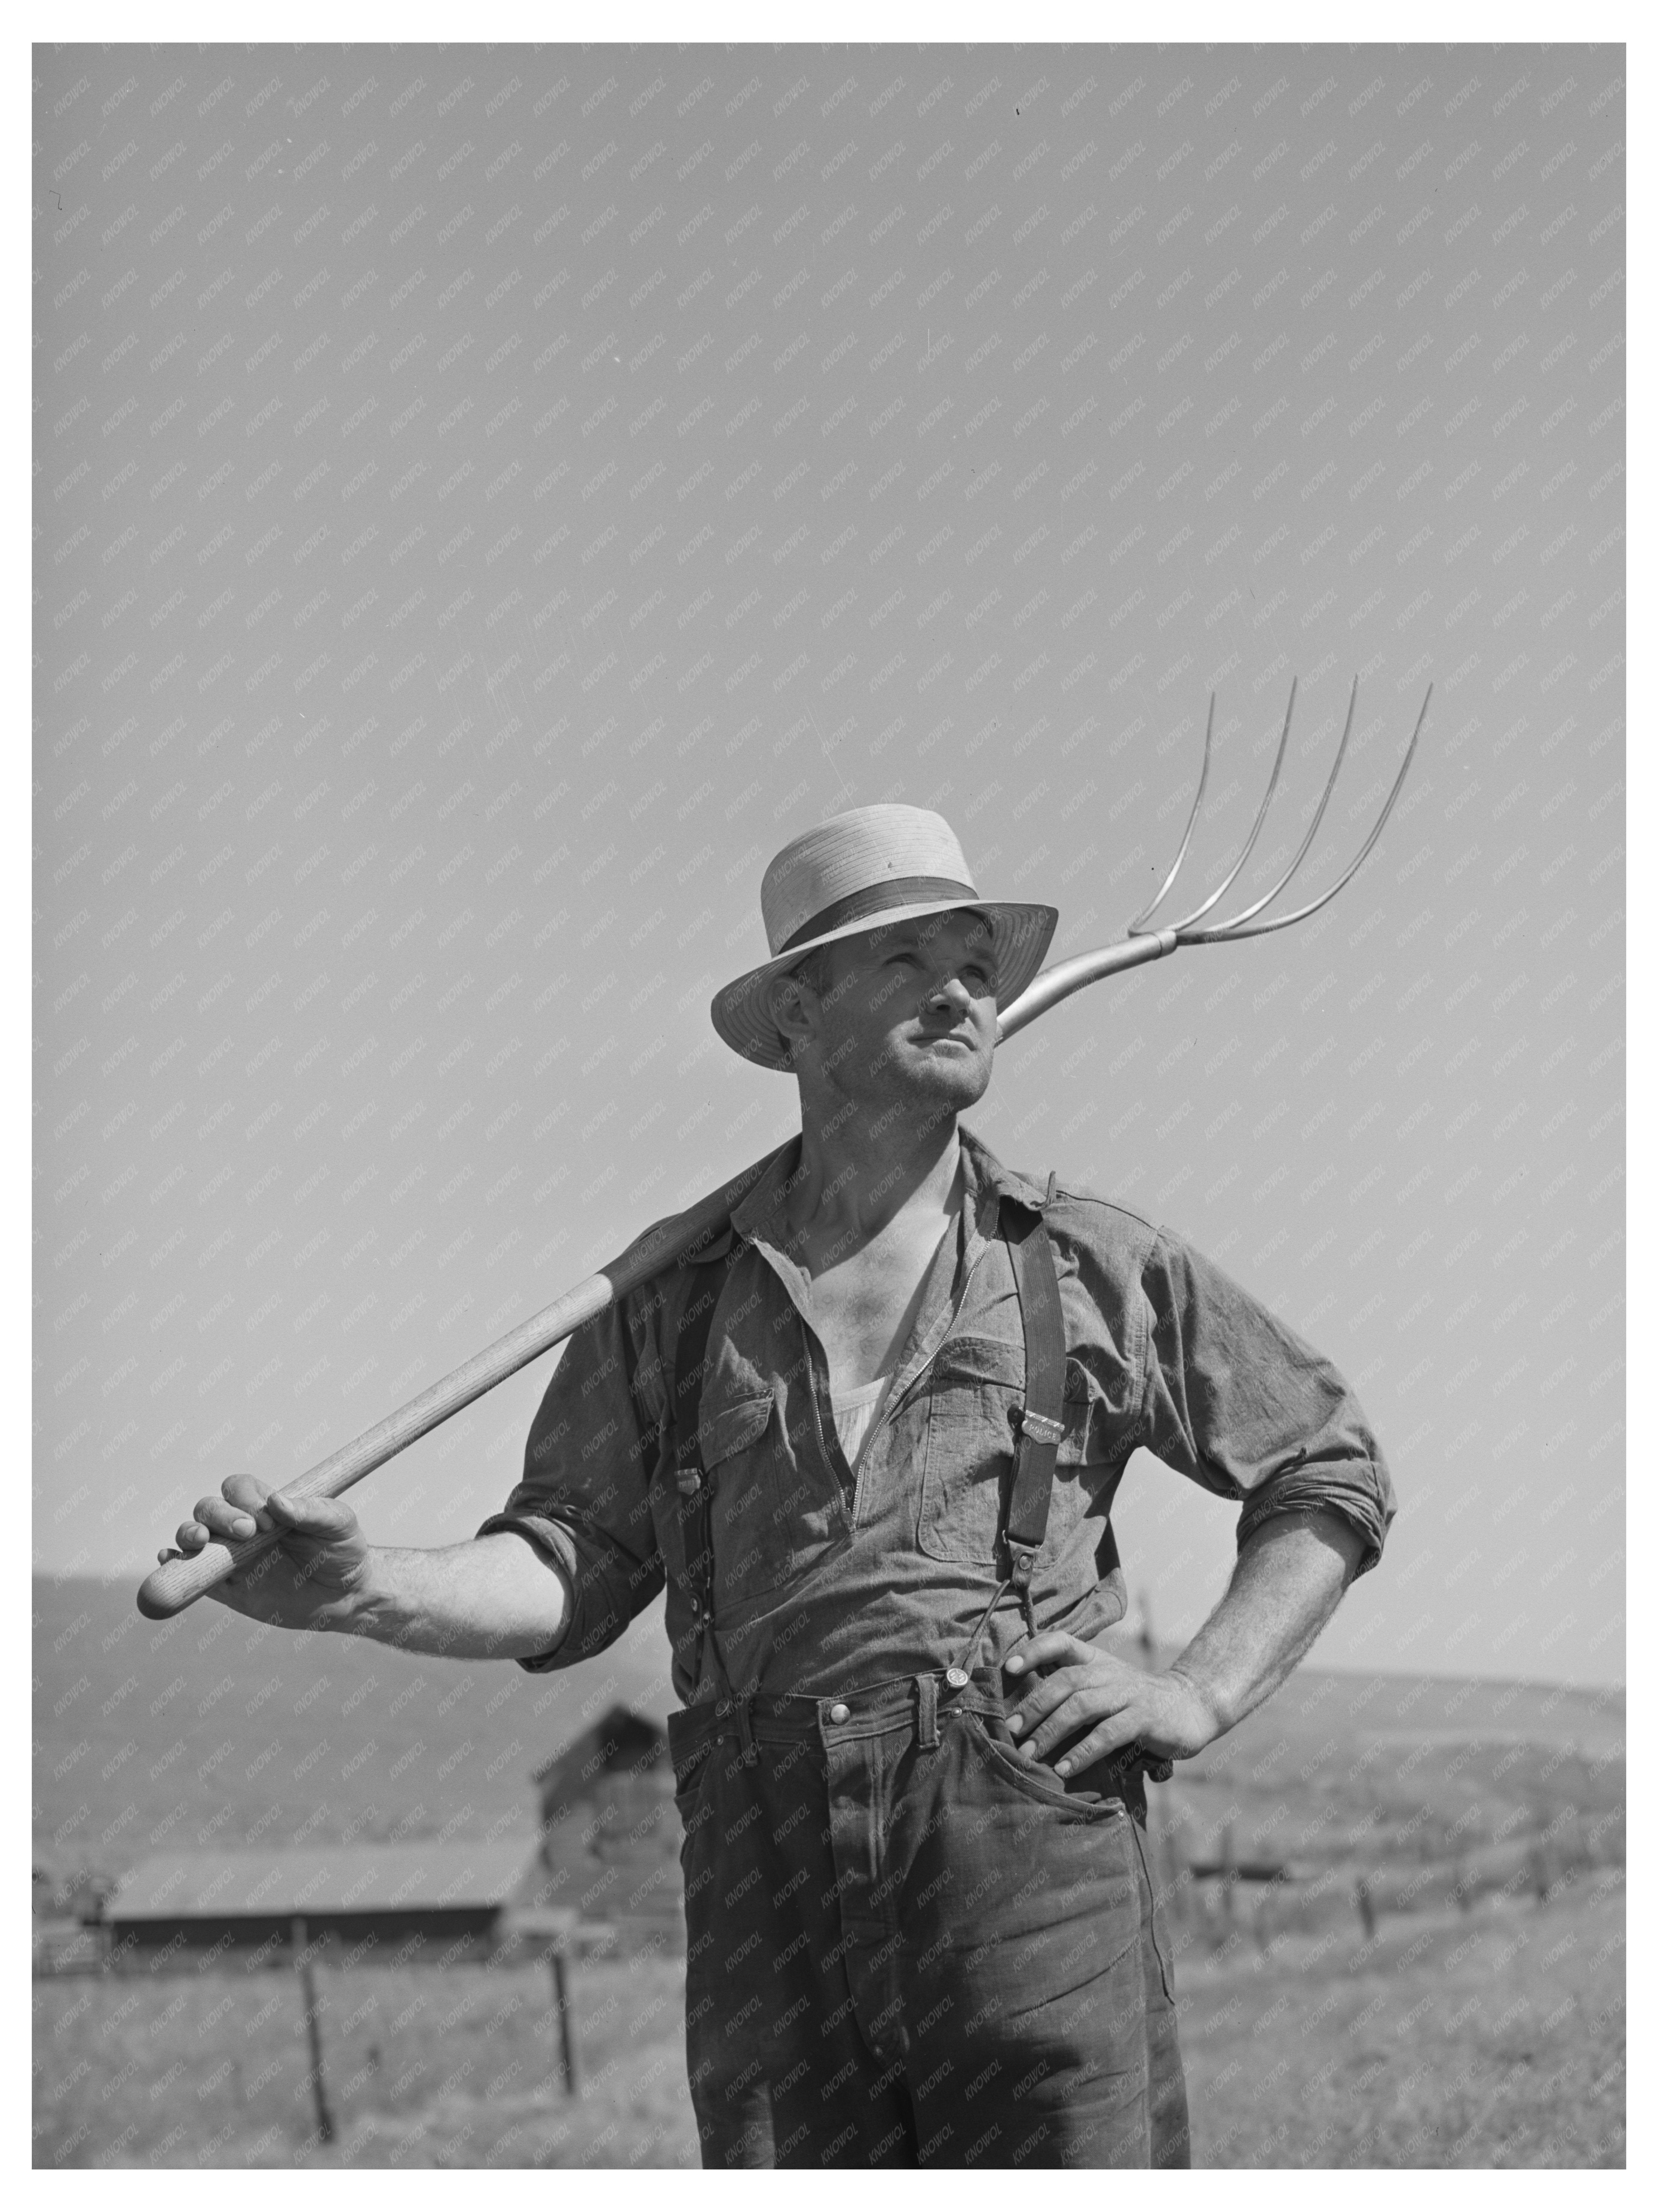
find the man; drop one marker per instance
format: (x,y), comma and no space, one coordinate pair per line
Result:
(871,1439)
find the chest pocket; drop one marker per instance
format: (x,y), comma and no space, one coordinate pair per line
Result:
(972,1435)
(976,1391)
(1088,1467)
(743,1449)
(1092,1425)
(755,1502)
(775,1504)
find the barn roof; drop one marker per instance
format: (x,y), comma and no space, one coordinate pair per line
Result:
(322,1878)
(621,1726)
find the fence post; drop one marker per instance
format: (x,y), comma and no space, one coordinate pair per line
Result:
(1227,1878)
(1542,1873)
(1174,1871)
(566,2027)
(313,2030)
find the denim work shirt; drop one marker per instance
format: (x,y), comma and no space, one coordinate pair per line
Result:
(826,1583)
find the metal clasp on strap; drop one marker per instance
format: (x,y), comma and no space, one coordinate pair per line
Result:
(1041,1422)
(1041,1428)
(1021,1565)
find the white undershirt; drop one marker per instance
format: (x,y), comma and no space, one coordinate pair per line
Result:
(856,1411)
(855,1415)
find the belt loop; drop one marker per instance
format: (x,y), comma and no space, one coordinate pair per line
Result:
(926,1700)
(745,1732)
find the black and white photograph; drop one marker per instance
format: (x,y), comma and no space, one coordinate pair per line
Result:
(828,1206)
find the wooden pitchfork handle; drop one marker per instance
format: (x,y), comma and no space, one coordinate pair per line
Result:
(181,1580)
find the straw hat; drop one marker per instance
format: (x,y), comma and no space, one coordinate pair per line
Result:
(858,871)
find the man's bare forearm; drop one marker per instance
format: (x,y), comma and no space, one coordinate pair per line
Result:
(494,1598)
(1288,1581)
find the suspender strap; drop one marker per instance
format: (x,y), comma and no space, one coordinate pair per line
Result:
(691,1478)
(685,1415)
(1037,1282)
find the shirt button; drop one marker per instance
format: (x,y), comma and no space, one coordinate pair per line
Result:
(840,1712)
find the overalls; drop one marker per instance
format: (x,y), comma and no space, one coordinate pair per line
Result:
(905,1945)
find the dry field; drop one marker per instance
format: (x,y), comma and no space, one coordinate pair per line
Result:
(1475,2027)
(423,2068)
(1492,2038)
(1489,2038)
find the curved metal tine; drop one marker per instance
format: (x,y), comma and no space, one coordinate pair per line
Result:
(1229,936)
(1138,923)
(1248,913)
(1231,875)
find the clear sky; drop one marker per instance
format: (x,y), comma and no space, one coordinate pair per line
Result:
(485,501)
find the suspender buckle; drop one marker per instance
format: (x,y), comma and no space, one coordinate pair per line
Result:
(1041,1428)
(1021,1565)
(737,1709)
(1041,1422)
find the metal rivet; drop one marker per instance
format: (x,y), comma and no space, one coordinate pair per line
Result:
(840,1712)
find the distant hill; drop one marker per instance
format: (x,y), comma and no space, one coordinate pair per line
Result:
(1430,1779)
(207,1730)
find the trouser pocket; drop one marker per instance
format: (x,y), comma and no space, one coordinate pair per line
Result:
(1079,1795)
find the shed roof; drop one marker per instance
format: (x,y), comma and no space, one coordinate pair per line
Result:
(323,1878)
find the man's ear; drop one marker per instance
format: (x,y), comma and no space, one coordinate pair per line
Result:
(792,1003)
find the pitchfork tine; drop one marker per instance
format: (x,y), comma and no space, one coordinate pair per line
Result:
(1231,925)
(1140,920)
(1232,873)
(1228,933)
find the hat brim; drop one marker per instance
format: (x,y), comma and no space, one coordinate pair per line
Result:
(1020,936)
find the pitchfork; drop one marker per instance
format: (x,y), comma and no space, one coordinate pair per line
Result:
(182,1579)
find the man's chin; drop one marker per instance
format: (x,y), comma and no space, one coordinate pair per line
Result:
(953,1078)
(920,1082)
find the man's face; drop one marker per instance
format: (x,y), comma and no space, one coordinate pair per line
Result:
(906,1015)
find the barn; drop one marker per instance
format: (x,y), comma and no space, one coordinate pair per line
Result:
(427,1894)
(621,1760)
(610,1832)
(607,1852)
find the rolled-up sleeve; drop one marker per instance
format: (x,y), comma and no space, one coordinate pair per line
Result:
(583,1498)
(1237,1401)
